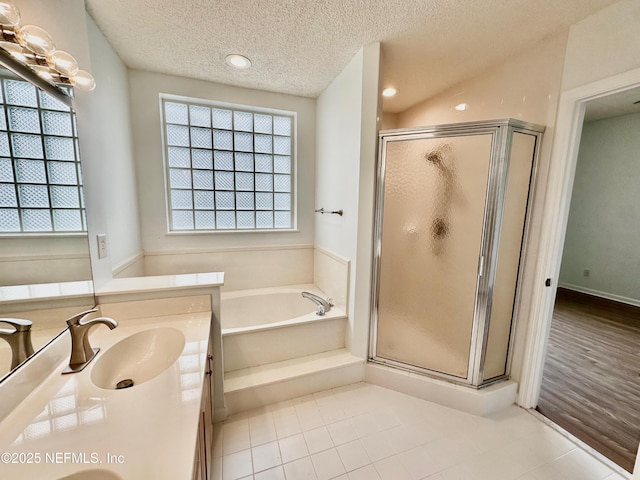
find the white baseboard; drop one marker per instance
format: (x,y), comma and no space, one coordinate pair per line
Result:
(137,257)
(481,402)
(597,293)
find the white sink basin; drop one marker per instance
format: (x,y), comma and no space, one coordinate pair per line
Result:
(93,474)
(138,358)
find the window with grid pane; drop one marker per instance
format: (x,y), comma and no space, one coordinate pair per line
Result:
(40,177)
(228,168)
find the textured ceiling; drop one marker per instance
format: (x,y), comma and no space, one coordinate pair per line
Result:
(299,46)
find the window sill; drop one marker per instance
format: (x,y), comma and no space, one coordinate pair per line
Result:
(227,232)
(44,235)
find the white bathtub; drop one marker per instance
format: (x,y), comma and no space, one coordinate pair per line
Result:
(269,325)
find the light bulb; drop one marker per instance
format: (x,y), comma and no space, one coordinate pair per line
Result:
(238,61)
(389,92)
(63,63)
(83,80)
(9,14)
(461,107)
(35,39)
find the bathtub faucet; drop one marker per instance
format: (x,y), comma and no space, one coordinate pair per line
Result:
(323,306)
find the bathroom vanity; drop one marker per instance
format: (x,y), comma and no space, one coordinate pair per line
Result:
(81,425)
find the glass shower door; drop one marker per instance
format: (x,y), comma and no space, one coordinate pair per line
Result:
(430,243)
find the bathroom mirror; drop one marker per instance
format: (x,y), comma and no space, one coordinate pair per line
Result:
(45,268)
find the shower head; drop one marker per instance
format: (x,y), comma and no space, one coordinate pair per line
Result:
(434,157)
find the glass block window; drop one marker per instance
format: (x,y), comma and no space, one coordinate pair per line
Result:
(40,177)
(228,168)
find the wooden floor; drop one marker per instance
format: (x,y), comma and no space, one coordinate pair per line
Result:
(591,381)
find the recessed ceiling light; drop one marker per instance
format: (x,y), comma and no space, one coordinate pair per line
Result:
(238,61)
(389,92)
(461,107)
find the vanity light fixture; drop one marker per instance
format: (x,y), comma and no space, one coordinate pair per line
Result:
(461,107)
(238,61)
(33,47)
(389,92)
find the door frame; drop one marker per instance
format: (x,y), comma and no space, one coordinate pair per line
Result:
(564,156)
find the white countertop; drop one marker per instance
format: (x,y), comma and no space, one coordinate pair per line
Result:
(45,291)
(68,423)
(161,282)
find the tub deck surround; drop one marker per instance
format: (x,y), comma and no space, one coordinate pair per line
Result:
(276,347)
(150,428)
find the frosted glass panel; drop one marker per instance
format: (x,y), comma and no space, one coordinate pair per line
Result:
(434,200)
(504,290)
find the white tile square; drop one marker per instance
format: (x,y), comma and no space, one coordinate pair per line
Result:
(310,418)
(387,443)
(365,473)
(579,464)
(353,455)
(300,470)
(331,413)
(287,425)
(263,432)
(318,440)
(266,456)
(237,465)
(342,432)
(235,437)
(327,464)
(376,446)
(392,468)
(418,463)
(449,452)
(400,438)
(276,473)
(293,448)
(365,424)
(538,448)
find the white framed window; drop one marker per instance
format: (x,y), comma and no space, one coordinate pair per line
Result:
(228,167)
(40,177)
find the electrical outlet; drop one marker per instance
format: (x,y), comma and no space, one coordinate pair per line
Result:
(586,272)
(102,245)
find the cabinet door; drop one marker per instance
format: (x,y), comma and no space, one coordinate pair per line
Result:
(197,464)
(431,238)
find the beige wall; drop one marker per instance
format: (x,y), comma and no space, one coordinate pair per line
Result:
(525,87)
(146,88)
(346,144)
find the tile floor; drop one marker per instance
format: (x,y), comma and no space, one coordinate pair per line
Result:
(366,432)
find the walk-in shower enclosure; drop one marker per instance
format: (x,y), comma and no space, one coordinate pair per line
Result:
(451,212)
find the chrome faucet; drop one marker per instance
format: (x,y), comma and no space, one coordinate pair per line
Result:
(18,338)
(81,351)
(323,306)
